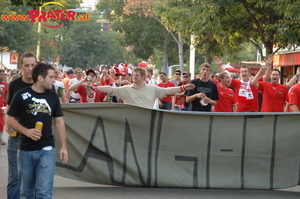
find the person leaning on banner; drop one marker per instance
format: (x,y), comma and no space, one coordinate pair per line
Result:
(205,93)
(140,93)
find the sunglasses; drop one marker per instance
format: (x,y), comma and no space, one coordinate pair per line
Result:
(185,76)
(177,74)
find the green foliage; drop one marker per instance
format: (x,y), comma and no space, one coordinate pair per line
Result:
(85,44)
(16,35)
(145,34)
(35,4)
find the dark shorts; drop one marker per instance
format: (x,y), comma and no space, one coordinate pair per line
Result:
(73,100)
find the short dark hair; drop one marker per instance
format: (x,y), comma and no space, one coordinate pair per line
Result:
(141,70)
(41,69)
(178,71)
(162,73)
(275,69)
(205,65)
(149,70)
(249,69)
(221,75)
(27,55)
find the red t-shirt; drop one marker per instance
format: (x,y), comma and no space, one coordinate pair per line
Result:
(215,80)
(227,98)
(83,95)
(168,98)
(294,96)
(244,104)
(4,86)
(274,97)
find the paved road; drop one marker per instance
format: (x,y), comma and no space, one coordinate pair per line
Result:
(70,189)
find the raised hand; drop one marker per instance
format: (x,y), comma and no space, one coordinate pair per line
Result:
(218,61)
(269,59)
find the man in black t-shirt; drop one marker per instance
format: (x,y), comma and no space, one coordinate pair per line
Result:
(36,156)
(28,62)
(205,93)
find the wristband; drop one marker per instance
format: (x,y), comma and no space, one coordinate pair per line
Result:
(182,88)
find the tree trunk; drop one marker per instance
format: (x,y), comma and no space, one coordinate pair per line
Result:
(206,59)
(180,52)
(165,54)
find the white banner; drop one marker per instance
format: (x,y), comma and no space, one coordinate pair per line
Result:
(118,144)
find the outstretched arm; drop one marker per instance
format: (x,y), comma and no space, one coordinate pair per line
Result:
(178,89)
(105,89)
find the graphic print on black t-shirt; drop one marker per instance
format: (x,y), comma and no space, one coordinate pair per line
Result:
(209,88)
(205,90)
(29,107)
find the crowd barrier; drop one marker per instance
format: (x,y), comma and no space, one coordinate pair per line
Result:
(118,144)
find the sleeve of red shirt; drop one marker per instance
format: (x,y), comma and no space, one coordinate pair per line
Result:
(234,83)
(293,97)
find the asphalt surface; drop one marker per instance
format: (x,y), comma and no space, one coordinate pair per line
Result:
(71,189)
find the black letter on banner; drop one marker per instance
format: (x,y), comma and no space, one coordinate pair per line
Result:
(244,147)
(160,120)
(152,122)
(208,152)
(93,152)
(195,173)
(272,166)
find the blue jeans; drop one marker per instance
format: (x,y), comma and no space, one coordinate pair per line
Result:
(181,109)
(13,189)
(166,105)
(36,172)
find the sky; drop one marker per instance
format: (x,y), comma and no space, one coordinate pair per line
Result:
(89,2)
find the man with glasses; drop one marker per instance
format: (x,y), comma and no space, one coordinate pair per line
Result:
(179,103)
(177,77)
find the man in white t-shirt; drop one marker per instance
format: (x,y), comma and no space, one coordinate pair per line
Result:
(59,86)
(75,97)
(141,94)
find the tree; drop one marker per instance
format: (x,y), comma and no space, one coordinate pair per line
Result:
(85,44)
(16,36)
(143,33)
(37,3)
(147,8)
(233,22)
